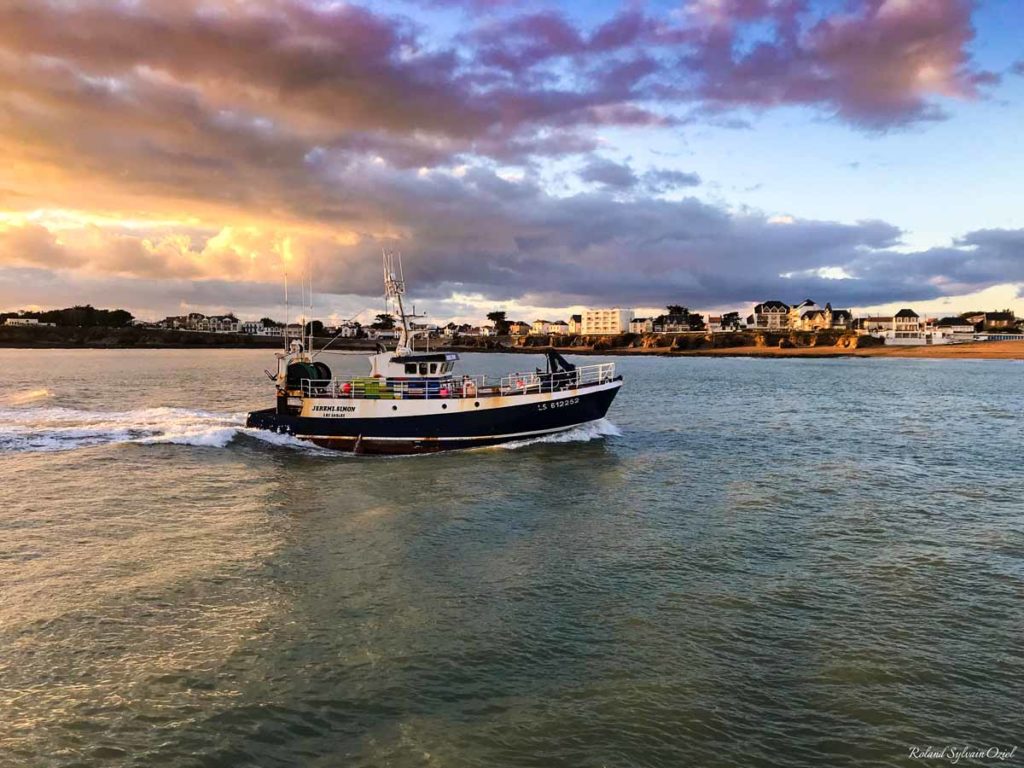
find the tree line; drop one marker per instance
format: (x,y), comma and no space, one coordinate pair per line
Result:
(86,316)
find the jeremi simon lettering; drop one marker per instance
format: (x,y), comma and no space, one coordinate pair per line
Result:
(336,411)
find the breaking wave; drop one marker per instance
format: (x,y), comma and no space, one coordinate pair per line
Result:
(64,429)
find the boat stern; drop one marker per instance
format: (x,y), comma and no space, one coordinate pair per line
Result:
(267,418)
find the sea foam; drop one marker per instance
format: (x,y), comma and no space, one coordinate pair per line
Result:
(62,429)
(26,425)
(584,433)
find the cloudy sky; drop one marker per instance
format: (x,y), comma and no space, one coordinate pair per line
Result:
(168,154)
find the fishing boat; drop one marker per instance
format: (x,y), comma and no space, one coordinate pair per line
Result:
(414,401)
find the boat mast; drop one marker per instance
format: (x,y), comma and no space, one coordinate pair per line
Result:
(394,289)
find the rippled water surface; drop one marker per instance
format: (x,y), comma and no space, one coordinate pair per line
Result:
(753,563)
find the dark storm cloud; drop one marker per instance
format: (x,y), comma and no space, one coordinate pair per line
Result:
(666,180)
(511,241)
(877,66)
(321,64)
(608,174)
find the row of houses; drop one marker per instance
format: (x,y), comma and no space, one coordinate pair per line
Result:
(465,329)
(770,315)
(908,327)
(905,326)
(773,315)
(806,316)
(32,322)
(196,321)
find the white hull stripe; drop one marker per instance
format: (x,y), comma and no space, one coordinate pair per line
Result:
(508,436)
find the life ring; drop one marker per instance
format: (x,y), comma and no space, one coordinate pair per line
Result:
(469,388)
(520,384)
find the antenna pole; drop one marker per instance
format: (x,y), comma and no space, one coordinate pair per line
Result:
(285,334)
(309,270)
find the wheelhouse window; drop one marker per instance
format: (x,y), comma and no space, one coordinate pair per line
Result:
(433,369)
(410,369)
(423,369)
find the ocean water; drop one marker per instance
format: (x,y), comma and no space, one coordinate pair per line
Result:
(750,563)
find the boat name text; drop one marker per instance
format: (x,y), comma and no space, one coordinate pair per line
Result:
(332,411)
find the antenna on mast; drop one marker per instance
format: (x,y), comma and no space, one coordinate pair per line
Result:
(303,303)
(309,272)
(285,334)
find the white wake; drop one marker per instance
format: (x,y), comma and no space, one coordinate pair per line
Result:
(28,425)
(64,429)
(582,434)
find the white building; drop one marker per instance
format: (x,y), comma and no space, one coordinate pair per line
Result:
(540,328)
(575,324)
(771,315)
(217,324)
(548,327)
(641,325)
(905,328)
(907,324)
(956,327)
(874,325)
(599,322)
(21,321)
(348,329)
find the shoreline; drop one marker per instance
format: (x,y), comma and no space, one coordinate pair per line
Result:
(983,350)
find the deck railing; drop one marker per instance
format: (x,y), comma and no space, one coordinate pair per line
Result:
(532,382)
